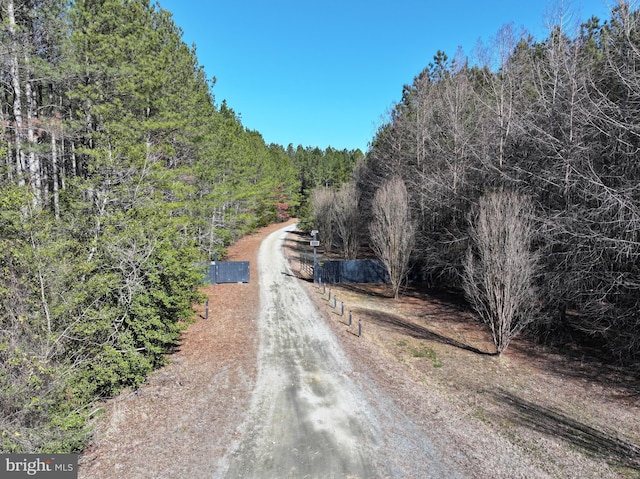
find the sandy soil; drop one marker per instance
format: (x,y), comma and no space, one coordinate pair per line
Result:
(290,390)
(301,422)
(533,412)
(183,419)
(309,417)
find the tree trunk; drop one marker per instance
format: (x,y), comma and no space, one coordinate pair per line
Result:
(35,178)
(14,71)
(54,174)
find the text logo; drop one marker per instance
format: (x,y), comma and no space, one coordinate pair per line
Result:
(50,466)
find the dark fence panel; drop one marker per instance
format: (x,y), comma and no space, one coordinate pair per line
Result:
(228,272)
(351,271)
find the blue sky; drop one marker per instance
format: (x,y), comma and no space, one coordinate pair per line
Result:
(326,73)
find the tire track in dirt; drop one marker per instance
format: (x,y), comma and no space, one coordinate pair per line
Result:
(307,417)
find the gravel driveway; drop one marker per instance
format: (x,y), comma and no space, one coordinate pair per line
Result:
(309,416)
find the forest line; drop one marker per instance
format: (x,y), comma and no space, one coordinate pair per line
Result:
(514,178)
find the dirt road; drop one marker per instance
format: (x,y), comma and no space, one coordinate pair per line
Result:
(279,386)
(309,417)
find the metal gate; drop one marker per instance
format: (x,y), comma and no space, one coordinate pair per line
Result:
(351,271)
(228,272)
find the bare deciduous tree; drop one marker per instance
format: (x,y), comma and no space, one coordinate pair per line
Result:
(500,267)
(322,200)
(392,230)
(347,220)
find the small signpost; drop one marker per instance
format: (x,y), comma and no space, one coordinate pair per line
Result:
(315,243)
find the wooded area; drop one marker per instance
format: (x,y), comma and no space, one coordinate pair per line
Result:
(554,123)
(119,173)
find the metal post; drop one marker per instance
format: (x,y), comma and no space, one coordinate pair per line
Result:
(315,245)
(359,327)
(342,312)
(315,258)
(335,300)
(329,294)
(350,318)
(206,310)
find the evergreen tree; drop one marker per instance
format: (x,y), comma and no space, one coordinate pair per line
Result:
(114,161)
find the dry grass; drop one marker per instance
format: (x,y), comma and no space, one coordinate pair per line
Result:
(571,414)
(562,412)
